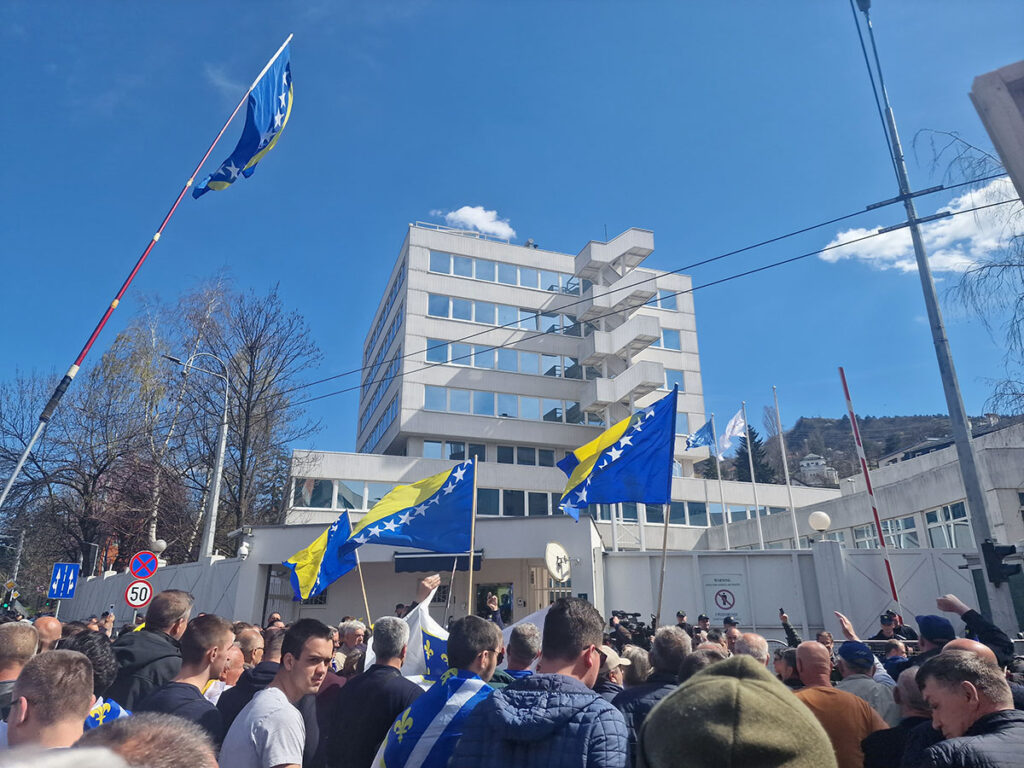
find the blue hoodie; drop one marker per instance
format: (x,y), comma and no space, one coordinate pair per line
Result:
(543,721)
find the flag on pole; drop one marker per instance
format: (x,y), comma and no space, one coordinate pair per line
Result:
(269,107)
(434,514)
(323,562)
(736,427)
(425,734)
(701,438)
(631,461)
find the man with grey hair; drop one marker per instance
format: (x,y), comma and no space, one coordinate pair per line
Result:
(522,650)
(668,649)
(368,704)
(753,645)
(154,740)
(18,643)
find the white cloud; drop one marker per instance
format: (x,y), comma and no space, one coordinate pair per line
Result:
(476,217)
(218,78)
(954,244)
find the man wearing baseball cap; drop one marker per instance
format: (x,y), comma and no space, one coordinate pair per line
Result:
(683,624)
(609,678)
(857,666)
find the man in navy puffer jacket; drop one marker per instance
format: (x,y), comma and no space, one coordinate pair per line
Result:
(551,719)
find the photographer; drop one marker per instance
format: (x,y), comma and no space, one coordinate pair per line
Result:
(619,636)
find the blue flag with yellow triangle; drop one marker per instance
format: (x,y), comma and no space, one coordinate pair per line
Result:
(629,462)
(269,107)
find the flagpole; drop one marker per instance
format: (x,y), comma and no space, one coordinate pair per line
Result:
(867,484)
(72,371)
(666,510)
(753,480)
(472,544)
(362,585)
(451,588)
(785,469)
(721,488)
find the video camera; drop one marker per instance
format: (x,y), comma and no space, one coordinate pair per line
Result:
(641,632)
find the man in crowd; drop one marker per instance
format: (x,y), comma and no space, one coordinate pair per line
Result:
(151,657)
(683,624)
(609,679)
(232,701)
(733,714)
(155,741)
(204,650)
(668,649)
(551,718)
(883,749)
(522,650)
(978,626)
(426,732)
(703,623)
(18,643)
(49,629)
(847,719)
(891,628)
(250,641)
(352,634)
(753,645)
(895,657)
(97,648)
(270,730)
(857,666)
(935,632)
(234,666)
(971,705)
(368,704)
(732,634)
(51,699)
(698,660)
(785,668)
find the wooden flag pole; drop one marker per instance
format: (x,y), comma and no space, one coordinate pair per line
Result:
(472,544)
(65,382)
(362,585)
(785,469)
(451,589)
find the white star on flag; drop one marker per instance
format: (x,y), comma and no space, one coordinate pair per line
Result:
(614,453)
(448,489)
(375,531)
(277,119)
(360,539)
(581,496)
(232,170)
(648,413)
(420,510)
(390,525)
(405,517)
(459,472)
(282,97)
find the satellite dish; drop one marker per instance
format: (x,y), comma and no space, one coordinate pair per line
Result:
(558,562)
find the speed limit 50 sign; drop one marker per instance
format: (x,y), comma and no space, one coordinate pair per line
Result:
(138,594)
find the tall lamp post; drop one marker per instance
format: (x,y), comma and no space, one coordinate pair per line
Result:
(213,497)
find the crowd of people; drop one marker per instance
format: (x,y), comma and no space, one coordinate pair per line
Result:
(196,692)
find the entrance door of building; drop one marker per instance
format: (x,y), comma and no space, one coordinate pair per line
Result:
(544,590)
(278,595)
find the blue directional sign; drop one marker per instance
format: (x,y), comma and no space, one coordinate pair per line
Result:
(63,581)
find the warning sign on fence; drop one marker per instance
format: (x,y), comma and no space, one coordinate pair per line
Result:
(725,595)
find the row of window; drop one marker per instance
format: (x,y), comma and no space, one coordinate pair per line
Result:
(481,403)
(385,420)
(486,313)
(456,450)
(370,374)
(524,277)
(509,360)
(386,378)
(393,292)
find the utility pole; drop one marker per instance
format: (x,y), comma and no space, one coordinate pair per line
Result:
(1000,599)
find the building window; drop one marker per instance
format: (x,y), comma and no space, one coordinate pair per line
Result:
(526,455)
(667,299)
(434,398)
(838,536)
(670,339)
(698,513)
(377,491)
(546,457)
(437,306)
(433,449)
(485,270)
(487,501)
(440,262)
(437,351)
(459,401)
(513,503)
(949,527)
(674,378)
(506,454)
(456,451)
(462,266)
(556,499)
(538,504)
(478,451)
(313,493)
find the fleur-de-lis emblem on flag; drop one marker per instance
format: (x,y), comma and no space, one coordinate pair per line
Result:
(427,650)
(402,725)
(448,675)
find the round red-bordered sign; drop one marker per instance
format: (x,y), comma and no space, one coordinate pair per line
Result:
(143,564)
(138,593)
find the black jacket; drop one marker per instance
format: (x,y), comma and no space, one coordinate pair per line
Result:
(884,749)
(607,688)
(991,635)
(146,660)
(364,710)
(234,699)
(636,703)
(994,741)
(185,701)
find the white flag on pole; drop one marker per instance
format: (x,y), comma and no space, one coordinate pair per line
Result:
(735,428)
(422,626)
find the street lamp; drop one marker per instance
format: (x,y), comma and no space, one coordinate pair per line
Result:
(819,521)
(210,523)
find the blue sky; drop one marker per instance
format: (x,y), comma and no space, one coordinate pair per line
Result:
(716,125)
